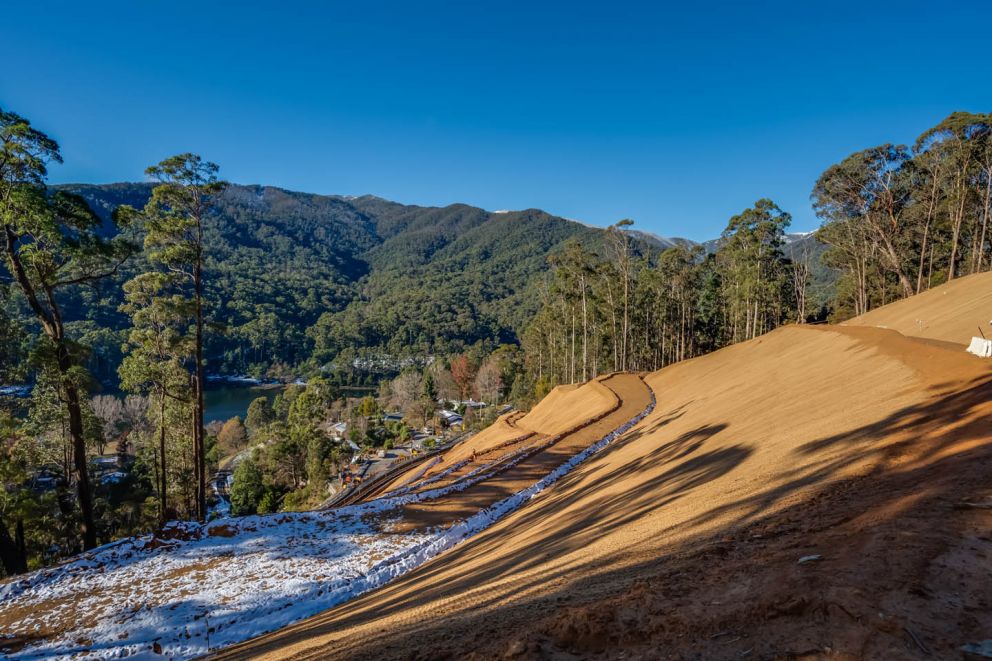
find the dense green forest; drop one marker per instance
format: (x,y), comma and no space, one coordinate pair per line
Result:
(118,301)
(298,282)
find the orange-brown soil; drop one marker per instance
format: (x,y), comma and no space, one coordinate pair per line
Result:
(951,313)
(862,451)
(565,407)
(629,397)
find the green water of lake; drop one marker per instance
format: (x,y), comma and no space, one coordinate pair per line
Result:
(224,401)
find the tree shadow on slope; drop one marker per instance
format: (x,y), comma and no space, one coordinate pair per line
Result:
(566,533)
(906,569)
(928,457)
(916,433)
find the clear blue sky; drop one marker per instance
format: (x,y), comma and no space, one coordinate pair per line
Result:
(676,116)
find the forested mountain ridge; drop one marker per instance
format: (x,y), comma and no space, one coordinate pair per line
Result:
(297,277)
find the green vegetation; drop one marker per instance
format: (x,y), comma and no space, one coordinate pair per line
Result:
(899,220)
(51,244)
(618,312)
(355,289)
(247,489)
(164,351)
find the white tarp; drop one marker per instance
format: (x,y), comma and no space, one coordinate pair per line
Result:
(980,347)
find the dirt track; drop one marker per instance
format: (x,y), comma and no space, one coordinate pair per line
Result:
(542,455)
(856,444)
(564,408)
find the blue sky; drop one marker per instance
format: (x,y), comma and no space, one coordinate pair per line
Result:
(677,116)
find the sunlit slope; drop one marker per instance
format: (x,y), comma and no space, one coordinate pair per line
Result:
(736,437)
(951,313)
(564,407)
(567,406)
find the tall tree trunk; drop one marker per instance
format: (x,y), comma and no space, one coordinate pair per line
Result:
(985,217)
(613,317)
(200,458)
(571,376)
(585,332)
(894,264)
(163,483)
(51,323)
(923,254)
(626,289)
(78,454)
(664,337)
(956,233)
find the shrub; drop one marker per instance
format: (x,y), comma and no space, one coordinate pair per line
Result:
(247,489)
(269,502)
(295,501)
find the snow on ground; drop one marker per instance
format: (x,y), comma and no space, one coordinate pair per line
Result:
(210,586)
(197,588)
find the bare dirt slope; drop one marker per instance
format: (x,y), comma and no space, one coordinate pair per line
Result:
(951,313)
(567,405)
(564,407)
(817,492)
(627,396)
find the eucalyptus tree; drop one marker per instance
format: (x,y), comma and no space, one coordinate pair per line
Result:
(158,354)
(801,269)
(750,256)
(983,183)
(174,220)
(959,141)
(678,269)
(926,172)
(579,266)
(52,242)
(871,187)
(621,248)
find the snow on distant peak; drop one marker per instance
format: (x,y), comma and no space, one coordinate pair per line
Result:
(792,237)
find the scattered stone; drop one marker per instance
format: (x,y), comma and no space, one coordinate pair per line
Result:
(223,530)
(967,504)
(982,650)
(516,648)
